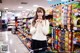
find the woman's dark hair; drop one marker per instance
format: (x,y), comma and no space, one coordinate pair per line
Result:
(39,9)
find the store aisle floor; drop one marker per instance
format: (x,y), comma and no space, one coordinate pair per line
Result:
(14,43)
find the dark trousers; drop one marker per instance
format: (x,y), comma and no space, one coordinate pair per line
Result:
(36,44)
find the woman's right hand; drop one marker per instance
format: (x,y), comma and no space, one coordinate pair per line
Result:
(37,23)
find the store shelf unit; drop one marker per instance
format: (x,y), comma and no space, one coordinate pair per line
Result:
(76,33)
(58,39)
(11,24)
(67,25)
(22,31)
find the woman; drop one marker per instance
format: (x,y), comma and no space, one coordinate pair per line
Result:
(39,29)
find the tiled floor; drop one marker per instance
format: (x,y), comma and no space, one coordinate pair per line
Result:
(14,43)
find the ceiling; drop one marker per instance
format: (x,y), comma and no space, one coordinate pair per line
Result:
(27,4)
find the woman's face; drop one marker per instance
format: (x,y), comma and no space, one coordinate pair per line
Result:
(40,14)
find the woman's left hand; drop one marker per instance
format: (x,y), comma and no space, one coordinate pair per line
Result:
(41,23)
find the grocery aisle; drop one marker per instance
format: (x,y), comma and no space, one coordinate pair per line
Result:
(14,43)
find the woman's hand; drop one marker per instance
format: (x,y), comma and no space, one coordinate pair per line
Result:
(38,22)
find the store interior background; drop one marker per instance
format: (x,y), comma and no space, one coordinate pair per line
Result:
(15,14)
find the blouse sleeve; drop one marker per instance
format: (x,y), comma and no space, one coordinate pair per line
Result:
(45,28)
(32,29)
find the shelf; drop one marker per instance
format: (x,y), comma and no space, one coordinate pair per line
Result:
(77,30)
(12,21)
(21,31)
(23,43)
(23,34)
(24,22)
(20,23)
(10,27)
(19,27)
(11,24)
(19,20)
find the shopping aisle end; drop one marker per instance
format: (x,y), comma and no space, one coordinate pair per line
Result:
(13,42)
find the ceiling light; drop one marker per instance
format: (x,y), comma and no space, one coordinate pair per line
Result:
(20,7)
(64,0)
(28,9)
(49,0)
(40,6)
(9,12)
(6,8)
(13,9)
(23,11)
(35,6)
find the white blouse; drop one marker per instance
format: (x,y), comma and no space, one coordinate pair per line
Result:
(39,32)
